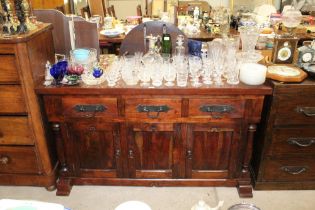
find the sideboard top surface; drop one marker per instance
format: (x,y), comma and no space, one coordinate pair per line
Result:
(122,89)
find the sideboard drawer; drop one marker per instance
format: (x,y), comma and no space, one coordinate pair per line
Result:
(18,160)
(153,108)
(14,101)
(290,169)
(295,140)
(15,131)
(8,70)
(87,107)
(216,108)
(295,110)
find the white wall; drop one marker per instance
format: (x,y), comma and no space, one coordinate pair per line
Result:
(124,8)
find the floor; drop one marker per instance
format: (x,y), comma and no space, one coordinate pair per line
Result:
(162,198)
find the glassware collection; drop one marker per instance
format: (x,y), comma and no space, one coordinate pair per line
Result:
(217,64)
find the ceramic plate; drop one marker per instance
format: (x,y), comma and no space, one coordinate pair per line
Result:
(111,33)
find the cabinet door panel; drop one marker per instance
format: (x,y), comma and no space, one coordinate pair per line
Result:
(97,148)
(210,150)
(151,150)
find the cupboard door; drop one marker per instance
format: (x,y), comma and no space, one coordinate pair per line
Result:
(212,150)
(154,150)
(96,149)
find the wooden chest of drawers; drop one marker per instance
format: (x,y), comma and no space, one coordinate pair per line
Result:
(25,154)
(154,137)
(284,150)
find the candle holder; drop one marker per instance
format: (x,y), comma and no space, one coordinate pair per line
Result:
(20,13)
(8,26)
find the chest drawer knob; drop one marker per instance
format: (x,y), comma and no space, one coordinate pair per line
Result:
(301,142)
(307,111)
(4,160)
(149,109)
(294,170)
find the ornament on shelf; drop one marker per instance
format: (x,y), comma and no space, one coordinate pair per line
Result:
(8,26)
(20,13)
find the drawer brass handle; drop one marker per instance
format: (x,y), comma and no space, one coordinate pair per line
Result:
(216,108)
(301,142)
(307,111)
(117,153)
(294,170)
(4,160)
(90,108)
(149,109)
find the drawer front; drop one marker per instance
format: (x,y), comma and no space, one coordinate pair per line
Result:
(290,169)
(216,108)
(79,107)
(153,108)
(14,101)
(293,141)
(295,110)
(15,131)
(8,69)
(18,160)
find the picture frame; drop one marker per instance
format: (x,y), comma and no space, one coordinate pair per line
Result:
(284,50)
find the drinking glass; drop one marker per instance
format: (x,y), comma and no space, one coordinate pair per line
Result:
(216,53)
(156,74)
(129,71)
(195,70)
(144,76)
(58,71)
(169,72)
(181,65)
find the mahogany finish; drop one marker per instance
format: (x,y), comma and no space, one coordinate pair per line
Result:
(26,157)
(284,149)
(154,137)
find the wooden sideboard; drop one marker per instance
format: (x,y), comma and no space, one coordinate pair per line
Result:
(25,154)
(154,137)
(284,150)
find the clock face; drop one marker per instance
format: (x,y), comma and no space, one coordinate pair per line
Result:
(284,54)
(306,57)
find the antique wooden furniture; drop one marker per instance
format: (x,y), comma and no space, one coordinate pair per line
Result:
(154,137)
(25,154)
(284,150)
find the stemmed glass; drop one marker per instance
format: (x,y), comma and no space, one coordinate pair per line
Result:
(195,70)
(58,71)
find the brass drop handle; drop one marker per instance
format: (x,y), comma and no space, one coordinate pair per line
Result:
(307,111)
(117,153)
(294,170)
(189,154)
(156,109)
(4,160)
(131,154)
(302,142)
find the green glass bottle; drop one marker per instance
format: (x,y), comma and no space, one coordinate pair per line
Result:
(166,43)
